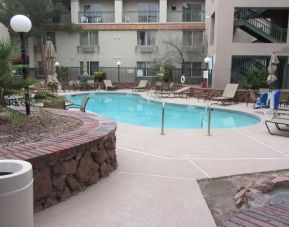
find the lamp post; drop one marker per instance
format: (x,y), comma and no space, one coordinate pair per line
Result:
(56,66)
(22,24)
(118,63)
(207,61)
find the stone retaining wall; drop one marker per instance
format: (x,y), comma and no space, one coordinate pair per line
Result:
(66,164)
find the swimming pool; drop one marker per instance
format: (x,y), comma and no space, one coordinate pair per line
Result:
(133,109)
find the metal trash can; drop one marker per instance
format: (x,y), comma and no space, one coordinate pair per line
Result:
(16,193)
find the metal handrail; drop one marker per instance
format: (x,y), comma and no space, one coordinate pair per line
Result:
(186,16)
(262,24)
(96,17)
(141,16)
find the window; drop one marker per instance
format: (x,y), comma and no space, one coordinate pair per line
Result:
(192,12)
(145,69)
(148,12)
(92,66)
(187,38)
(89,38)
(146,38)
(193,69)
(93,12)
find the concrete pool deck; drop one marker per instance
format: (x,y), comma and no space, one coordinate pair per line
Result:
(156,181)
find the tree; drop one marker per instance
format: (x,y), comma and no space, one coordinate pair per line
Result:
(9,83)
(178,52)
(40,12)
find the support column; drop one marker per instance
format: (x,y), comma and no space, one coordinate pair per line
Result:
(118,11)
(163,11)
(74,5)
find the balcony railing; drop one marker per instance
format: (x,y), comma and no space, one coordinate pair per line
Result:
(186,16)
(146,49)
(88,49)
(140,16)
(96,17)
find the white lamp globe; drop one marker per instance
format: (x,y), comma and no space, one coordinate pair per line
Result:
(207,60)
(56,64)
(20,23)
(118,63)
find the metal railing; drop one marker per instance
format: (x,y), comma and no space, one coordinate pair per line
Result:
(88,49)
(241,65)
(96,17)
(261,24)
(140,16)
(127,74)
(146,49)
(186,16)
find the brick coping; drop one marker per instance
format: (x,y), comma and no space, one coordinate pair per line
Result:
(93,127)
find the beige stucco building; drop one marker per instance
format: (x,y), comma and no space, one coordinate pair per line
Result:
(132,32)
(243,34)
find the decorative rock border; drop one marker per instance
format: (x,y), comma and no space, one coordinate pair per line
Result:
(68,163)
(254,194)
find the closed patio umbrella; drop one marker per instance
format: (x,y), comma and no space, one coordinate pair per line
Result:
(50,56)
(272,68)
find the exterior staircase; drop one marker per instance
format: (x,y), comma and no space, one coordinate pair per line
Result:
(259,27)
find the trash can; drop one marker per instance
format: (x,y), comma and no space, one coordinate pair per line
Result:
(16,193)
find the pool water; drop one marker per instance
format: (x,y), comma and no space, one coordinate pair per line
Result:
(133,109)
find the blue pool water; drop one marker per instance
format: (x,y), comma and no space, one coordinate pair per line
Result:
(133,109)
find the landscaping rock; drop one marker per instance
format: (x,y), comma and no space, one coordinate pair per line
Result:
(281,181)
(87,168)
(59,182)
(42,183)
(73,184)
(66,167)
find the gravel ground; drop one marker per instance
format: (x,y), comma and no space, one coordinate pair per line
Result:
(40,125)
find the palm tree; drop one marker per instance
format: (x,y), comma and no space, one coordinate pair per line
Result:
(9,83)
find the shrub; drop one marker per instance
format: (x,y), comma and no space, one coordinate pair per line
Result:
(255,78)
(63,73)
(99,76)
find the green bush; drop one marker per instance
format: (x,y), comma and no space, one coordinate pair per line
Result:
(167,71)
(63,73)
(255,78)
(41,96)
(99,76)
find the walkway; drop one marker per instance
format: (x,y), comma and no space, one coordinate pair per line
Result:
(156,182)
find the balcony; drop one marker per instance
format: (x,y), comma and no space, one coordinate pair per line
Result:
(96,17)
(186,16)
(140,16)
(146,49)
(88,49)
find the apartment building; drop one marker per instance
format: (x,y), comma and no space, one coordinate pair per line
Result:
(243,34)
(135,34)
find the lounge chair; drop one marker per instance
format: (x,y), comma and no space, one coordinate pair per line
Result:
(278,122)
(81,106)
(182,92)
(108,85)
(228,94)
(142,85)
